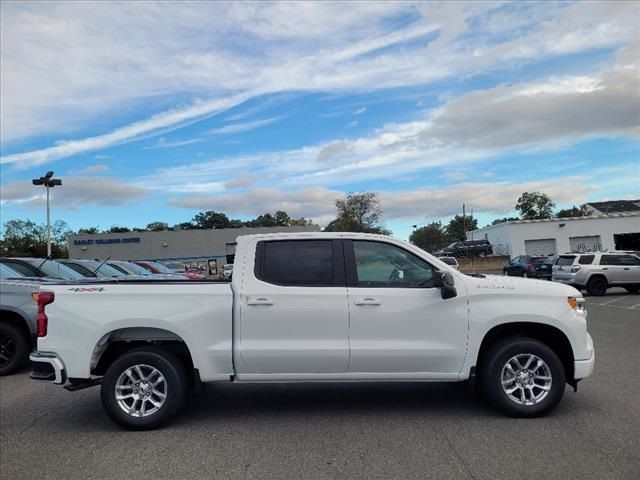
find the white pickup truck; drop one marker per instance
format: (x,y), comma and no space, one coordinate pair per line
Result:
(314,307)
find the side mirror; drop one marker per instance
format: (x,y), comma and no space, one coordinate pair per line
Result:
(445,282)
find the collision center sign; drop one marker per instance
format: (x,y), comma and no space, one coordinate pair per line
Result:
(105,241)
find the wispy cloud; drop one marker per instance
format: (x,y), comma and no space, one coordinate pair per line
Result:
(243,127)
(360,111)
(94,170)
(154,125)
(162,143)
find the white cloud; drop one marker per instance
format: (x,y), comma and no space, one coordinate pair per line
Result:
(319,203)
(94,169)
(74,193)
(360,111)
(162,143)
(156,124)
(242,181)
(244,127)
(63,61)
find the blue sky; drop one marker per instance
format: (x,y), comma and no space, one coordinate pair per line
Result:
(156,111)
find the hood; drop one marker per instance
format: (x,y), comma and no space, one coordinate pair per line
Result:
(517,285)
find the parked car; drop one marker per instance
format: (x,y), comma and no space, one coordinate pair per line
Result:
(40,267)
(529,266)
(92,268)
(467,248)
(129,268)
(7,272)
(450,261)
(596,272)
(314,307)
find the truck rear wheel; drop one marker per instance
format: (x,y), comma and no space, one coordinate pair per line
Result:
(523,377)
(144,388)
(14,348)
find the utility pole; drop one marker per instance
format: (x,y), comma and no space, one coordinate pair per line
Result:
(464,221)
(49,182)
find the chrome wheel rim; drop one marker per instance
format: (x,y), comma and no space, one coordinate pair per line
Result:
(7,350)
(141,390)
(526,379)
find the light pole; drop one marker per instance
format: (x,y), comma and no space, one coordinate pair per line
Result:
(49,182)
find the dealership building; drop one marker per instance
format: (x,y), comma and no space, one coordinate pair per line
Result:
(550,237)
(206,250)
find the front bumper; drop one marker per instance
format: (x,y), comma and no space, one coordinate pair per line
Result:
(47,366)
(584,368)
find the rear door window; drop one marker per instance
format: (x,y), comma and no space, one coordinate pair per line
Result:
(610,260)
(301,263)
(629,260)
(586,259)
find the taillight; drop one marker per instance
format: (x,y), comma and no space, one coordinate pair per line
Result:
(530,266)
(575,269)
(44,299)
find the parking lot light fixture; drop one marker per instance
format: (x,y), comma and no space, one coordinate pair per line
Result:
(49,182)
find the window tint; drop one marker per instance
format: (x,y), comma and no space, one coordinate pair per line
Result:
(296,262)
(586,259)
(80,269)
(384,265)
(540,260)
(565,260)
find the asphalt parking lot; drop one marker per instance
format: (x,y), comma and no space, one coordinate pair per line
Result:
(354,431)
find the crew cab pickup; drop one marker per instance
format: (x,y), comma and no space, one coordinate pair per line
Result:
(314,307)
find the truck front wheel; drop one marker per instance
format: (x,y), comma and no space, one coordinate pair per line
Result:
(144,388)
(523,377)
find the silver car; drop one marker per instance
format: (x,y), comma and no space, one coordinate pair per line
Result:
(598,271)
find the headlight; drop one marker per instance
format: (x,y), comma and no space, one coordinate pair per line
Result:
(577,303)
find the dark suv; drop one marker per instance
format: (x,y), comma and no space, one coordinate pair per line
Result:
(528,266)
(468,248)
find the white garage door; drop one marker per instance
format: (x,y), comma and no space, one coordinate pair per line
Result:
(540,248)
(585,244)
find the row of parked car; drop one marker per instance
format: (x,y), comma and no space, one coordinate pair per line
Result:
(594,272)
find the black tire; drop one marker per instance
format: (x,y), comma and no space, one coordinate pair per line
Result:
(171,368)
(14,348)
(632,289)
(491,372)
(597,286)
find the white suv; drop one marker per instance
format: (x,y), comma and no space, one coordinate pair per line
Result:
(598,271)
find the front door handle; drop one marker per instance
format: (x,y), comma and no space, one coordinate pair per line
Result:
(605,268)
(367,301)
(260,301)
(626,268)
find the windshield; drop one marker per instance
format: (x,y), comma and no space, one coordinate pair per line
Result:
(104,271)
(130,268)
(8,272)
(52,268)
(161,268)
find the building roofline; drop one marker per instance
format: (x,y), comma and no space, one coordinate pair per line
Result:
(561,219)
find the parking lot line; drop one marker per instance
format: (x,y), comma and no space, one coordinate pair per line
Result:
(609,302)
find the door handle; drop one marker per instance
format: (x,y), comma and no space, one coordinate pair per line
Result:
(626,268)
(605,268)
(260,301)
(367,301)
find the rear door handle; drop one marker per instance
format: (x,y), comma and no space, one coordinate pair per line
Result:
(626,268)
(260,301)
(367,301)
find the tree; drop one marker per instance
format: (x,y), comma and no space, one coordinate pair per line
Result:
(535,205)
(210,219)
(430,237)
(459,225)
(157,226)
(25,238)
(574,211)
(504,220)
(88,231)
(358,212)
(117,229)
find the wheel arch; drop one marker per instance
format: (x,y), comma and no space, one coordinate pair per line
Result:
(551,336)
(17,319)
(119,341)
